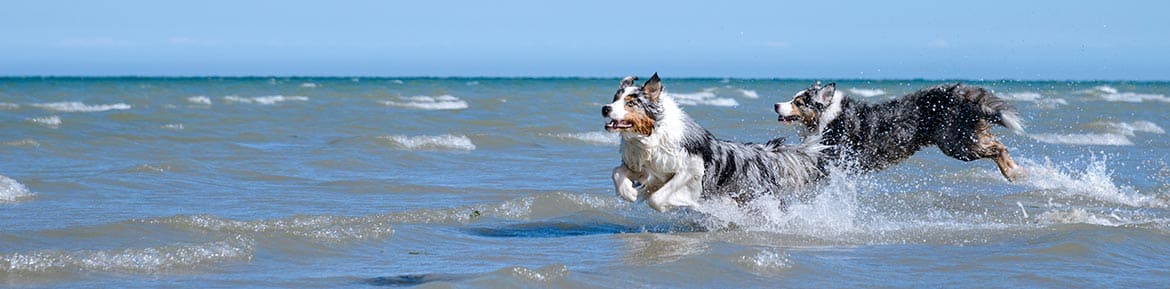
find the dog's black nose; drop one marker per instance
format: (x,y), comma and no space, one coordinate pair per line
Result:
(776,108)
(605,110)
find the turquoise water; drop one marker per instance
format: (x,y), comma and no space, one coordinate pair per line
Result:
(504,182)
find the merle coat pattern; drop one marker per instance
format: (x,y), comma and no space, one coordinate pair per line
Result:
(872,136)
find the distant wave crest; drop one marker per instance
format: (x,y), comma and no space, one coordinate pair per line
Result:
(705,97)
(1083,139)
(199,100)
(431,142)
(1111,94)
(594,137)
(863,92)
(442,102)
(266,100)
(52,121)
(81,107)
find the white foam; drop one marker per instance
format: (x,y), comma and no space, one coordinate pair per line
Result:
(1112,139)
(12,191)
(1051,102)
(749,93)
(595,137)
(8,106)
(199,100)
(432,142)
(23,142)
(832,212)
(705,97)
(396,81)
(766,263)
(862,92)
(442,102)
(1022,96)
(266,100)
(52,121)
(173,126)
(1113,95)
(1105,89)
(1134,97)
(134,260)
(1130,128)
(309,85)
(1094,181)
(1080,216)
(81,107)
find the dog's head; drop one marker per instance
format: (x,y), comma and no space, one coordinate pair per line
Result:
(808,106)
(634,109)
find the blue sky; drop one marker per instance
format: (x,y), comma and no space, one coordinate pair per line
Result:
(766,39)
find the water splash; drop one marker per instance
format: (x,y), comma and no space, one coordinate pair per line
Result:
(1095,182)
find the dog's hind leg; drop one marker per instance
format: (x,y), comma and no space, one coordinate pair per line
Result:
(989,147)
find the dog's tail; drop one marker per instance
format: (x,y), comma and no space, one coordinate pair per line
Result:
(801,161)
(994,109)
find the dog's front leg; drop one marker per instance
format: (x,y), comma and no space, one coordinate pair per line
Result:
(681,190)
(623,182)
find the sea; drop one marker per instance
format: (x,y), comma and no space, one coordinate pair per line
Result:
(363,182)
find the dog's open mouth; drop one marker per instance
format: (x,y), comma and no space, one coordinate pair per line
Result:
(618,124)
(788,118)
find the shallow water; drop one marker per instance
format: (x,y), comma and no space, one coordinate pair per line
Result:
(502,182)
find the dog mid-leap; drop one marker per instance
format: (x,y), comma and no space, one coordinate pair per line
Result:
(671,161)
(955,117)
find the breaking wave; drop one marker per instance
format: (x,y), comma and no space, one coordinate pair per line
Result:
(862,92)
(705,97)
(49,121)
(1110,139)
(431,142)
(136,260)
(749,93)
(1129,128)
(81,107)
(265,100)
(8,106)
(1111,133)
(593,137)
(1113,95)
(12,191)
(442,102)
(199,100)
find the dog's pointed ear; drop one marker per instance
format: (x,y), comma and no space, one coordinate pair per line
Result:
(825,95)
(628,82)
(653,88)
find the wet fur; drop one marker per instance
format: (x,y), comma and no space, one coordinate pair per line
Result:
(671,161)
(873,136)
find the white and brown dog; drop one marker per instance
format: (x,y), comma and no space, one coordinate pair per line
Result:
(671,161)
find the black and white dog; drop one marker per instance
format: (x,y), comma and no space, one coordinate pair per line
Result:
(955,117)
(670,161)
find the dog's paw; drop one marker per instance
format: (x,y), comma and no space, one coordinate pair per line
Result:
(627,192)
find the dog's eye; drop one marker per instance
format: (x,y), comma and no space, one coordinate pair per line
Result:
(630,103)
